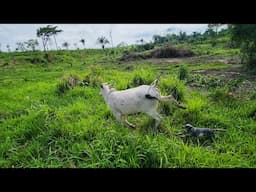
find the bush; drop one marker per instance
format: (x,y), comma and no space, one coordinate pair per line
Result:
(36,59)
(67,82)
(243,35)
(49,57)
(142,77)
(174,87)
(94,77)
(222,95)
(144,47)
(252,114)
(138,80)
(197,80)
(183,73)
(92,80)
(5,64)
(176,93)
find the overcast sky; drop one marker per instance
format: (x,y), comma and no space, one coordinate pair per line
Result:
(72,33)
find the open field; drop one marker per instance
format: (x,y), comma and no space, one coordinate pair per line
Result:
(44,122)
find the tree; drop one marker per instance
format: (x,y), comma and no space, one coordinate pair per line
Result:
(122,44)
(195,37)
(110,35)
(159,39)
(55,31)
(213,28)
(8,47)
(20,46)
(46,32)
(82,41)
(142,41)
(65,44)
(75,45)
(32,43)
(182,36)
(0,47)
(103,41)
(244,36)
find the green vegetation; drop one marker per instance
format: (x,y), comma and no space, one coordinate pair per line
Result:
(243,36)
(51,113)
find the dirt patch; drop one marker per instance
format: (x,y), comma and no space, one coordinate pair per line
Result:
(226,73)
(131,56)
(171,52)
(196,60)
(234,72)
(244,90)
(168,60)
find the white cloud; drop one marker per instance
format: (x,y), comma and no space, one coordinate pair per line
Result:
(72,33)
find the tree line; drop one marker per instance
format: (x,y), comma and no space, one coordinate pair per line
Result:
(45,34)
(241,36)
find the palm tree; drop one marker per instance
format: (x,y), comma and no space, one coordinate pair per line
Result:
(8,47)
(54,33)
(103,41)
(65,44)
(141,41)
(82,41)
(75,45)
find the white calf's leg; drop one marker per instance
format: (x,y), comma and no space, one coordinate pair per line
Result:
(128,123)
(122,119)
(118,116)
(155,116)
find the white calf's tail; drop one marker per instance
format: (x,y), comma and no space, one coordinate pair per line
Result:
(151,95)
(171,99)
(154,83)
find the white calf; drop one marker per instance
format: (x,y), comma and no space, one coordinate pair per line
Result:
(144,98)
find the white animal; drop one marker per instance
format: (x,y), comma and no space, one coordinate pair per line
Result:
(144,98)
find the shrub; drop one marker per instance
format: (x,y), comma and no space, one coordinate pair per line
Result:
(92,80)
(48,57)
(172,86)
(144,47)
(183,73)
(222,95)
(252,114)
(142,77)
(67,82)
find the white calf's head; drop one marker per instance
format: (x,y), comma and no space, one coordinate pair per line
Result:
(105,89)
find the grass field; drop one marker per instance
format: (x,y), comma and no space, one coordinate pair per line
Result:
(44,122)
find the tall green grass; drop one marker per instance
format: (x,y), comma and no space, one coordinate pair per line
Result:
(39,128)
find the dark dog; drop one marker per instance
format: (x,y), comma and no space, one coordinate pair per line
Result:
(201,132)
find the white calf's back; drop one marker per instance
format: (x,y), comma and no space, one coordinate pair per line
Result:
(133,100)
